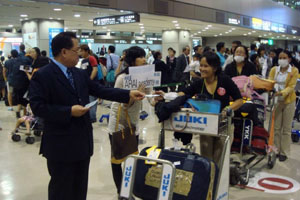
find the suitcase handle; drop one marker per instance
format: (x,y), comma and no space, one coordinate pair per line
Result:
(186,123)
(167,177)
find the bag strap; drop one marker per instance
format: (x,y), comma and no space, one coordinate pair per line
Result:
(111,63)
(127,118)
(186,123)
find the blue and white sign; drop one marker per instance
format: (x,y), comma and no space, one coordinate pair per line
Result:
(274,27)
(247,133)
(127,177)
(52,33)
(193,123)
(165,186)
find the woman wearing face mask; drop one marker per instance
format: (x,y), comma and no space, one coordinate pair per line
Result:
(214,85)
(135,56)
(285,76)
(240,65)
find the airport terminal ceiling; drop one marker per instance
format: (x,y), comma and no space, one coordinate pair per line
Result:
(12,13)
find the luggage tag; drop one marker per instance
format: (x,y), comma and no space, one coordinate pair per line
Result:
(152,152)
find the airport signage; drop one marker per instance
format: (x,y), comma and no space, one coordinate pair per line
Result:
(257,23)
(274,27)
(281,28)
(266,26)
(233,19)
(117,19)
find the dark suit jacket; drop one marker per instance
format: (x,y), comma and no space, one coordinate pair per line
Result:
(181,63)
(66,138)
(160,66)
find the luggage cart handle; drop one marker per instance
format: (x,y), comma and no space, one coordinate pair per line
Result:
(167,177)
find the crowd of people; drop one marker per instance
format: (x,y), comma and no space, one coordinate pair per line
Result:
(58,92)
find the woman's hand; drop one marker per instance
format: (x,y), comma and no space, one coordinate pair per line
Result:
(157,99)
(141,88)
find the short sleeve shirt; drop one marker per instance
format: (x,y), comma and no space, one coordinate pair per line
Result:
(225,89)
(88,64)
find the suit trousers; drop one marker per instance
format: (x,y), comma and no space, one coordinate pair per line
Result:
(283,126)
(69,180)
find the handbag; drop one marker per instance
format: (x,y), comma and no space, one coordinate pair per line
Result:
(262,83)
(244,84)
(124,141)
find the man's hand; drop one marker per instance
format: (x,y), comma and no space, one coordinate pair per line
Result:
(136,95)
(78,110)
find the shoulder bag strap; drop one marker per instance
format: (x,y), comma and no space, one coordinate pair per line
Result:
(111,62)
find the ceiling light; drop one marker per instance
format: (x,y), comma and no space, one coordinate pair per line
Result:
(287,38)
(26,18)
(259,36)
(265,35)
(90,20)
(57,9)
(10,25)
(283,35)
(230,31)
(209,25)
(178,27)
(270,33)
(50,17)
(226,32)
(58,18)
(233,28)
(175,22)
(104,27)
(74,30)
(206,28)
(272,37)
(199,31)
(77,15)
(220,34)
(203,30)
(108,29)
(216,35)
(23,15)
(66,28)
(253,31)
(294,37)
(245,34)
(141,24)
(195,33)
(142,27)
(277,36)
(121,11)
(249,33)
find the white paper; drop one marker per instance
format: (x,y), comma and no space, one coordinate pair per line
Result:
(89,105)
(147,79)
(151,95)
(139,70)
(26,68)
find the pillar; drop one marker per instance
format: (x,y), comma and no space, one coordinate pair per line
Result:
(177,39)
(40,32)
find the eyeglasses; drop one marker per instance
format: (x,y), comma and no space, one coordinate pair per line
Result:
(75,51)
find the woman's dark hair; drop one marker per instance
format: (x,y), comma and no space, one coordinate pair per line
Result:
(213,60)
(197,55)
(44,53)
(207,49)
(62,41)
(2,58)
(246,51)
(288,53)
(156,54)
(14,53)
(85,47)
(260,49)
(38,51)
(133,53)
(170,48)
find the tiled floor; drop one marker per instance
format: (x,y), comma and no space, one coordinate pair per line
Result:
(24,176)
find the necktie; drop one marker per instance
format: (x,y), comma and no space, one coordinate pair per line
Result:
(70,77)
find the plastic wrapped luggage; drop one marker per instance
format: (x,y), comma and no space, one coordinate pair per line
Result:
(196,177)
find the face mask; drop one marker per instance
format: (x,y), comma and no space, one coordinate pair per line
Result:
(239,59)
(283,62)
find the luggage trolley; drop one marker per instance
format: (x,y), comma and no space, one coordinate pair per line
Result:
(186,121)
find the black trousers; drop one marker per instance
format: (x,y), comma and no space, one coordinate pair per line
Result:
(69,180)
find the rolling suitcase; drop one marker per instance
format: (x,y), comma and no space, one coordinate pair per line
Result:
(196,177)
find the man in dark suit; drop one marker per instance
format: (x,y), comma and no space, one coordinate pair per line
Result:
(182,73)
(58,94)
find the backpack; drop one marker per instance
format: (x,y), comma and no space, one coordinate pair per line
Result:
(110,77)
(245,85)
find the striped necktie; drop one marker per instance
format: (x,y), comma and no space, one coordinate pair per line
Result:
(70,77)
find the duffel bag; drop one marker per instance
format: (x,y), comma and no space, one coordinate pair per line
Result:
(196,177)
(259,141)
(262,83)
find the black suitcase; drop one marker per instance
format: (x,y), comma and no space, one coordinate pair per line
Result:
(196,176)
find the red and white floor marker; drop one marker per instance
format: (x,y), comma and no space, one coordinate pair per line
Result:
(272,183)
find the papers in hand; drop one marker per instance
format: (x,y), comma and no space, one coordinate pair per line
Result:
(89,105)
(151,95)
